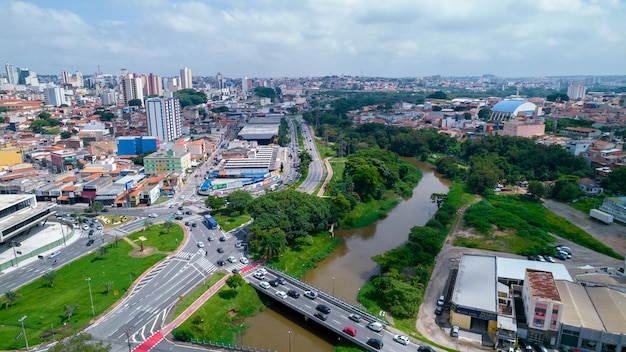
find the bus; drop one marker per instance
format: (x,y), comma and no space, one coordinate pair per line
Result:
(210,222)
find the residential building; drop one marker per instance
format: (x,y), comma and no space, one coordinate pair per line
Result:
(136,145)
(10,155)
(109,97)
(155,85)
(19,213)
(576,91)
(63,160)
(54,96)
(11,72)
(185,78)
(578,146)
(589,188)
(522,127)
(542,305)
(132,88)
(164,118)
(166,161)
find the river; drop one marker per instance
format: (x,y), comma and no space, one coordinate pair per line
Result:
(345,271)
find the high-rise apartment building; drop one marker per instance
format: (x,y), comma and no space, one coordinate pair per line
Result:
(164,118)
(576,91)
(244,86)
(219,80)
(54,96)
(132,88)
(109,97)
(155,85)
(185,78)
(11,71)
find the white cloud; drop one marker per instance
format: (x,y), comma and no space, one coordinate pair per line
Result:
(260,38)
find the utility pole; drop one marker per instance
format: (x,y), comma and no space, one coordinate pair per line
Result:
(21,320)
(93,312)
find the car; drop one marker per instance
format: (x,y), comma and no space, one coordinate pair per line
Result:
(531,257)
(210,238)
(188,212)
(262,270)
(236,271)
(180,208)
(454,332)
(200,244)
(349,330)
(564,249)
(220,262)
(178,217)
(222,239)
(441,300)
(231,259)
(91,232)
(310,294)
(281,294)
(354,317)
(293,293)
(274,283)
(438,310)
(98,227)
(85,227)
(85,220)
(376,343)
(239,244)
(244,261)
(548,259)
(90,242)
(566,254)
(193,224)
(54,254)
(187,223)
(375,326)
(561,256)
(320,315)
(401,339)
(540,258)
(259,275)
(178,212)
(323,308)
(152,215)
(220,250)
(425,349)
(264,284)
(539,347)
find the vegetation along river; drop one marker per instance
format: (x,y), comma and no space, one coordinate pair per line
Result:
(277,328)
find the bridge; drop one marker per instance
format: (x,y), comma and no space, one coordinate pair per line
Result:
(340,311)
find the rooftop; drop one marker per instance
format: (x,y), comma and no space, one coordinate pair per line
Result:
(476,283)
(542,286)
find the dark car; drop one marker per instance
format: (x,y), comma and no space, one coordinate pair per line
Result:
(180,208)
(193,224)
(293,293)
(561,256)
(222,239)
(91,232)
(320,315)
(425,349)
(274,282)
(187,223)
(188,212)
(531,257)
(323,308)
(236,271)
(438,310)
(220,250)
(178,217)
(90,242)
(220,262)
(376,343)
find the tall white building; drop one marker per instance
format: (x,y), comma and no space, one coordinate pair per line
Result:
(11,71)
(244,86)
(576,91)
(54,96)
(185,78)
(164,118)
(109,97)
(132,88)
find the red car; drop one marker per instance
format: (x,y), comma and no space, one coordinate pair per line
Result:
(350,331)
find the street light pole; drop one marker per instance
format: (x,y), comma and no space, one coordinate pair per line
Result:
(21,320)
(333,285)
(93,311)
(289,332)
(14,253)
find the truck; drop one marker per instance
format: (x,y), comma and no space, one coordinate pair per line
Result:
(210,222)
(601,216)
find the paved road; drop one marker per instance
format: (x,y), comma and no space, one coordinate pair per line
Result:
(316,171)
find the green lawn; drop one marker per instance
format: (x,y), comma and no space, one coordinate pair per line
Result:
(221,318)
(156,236)
(296,262)
(229,223)
(367,213)
(586,204)
(193,296)
(44,305)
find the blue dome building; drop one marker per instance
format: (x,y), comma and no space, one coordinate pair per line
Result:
(511,108)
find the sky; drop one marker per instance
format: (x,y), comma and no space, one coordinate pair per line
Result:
(300,38)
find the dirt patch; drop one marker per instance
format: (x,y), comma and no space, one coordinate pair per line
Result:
(146,252)
(232,313)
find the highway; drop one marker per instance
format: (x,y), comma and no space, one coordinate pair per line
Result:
(316,170)
(336,320)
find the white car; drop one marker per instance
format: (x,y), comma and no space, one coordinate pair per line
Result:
(262,271)
(152,215)
(375,326)
(281,294)
(259,275)
(85,227)
(231,259)
(244,261)
(401,339)
(264,284)
(200,244)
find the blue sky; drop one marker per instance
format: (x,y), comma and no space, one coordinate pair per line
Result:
(295,38)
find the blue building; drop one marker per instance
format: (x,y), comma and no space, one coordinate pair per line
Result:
(135,145)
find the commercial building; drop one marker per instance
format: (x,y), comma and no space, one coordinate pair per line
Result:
(18,213)
(264,130)
(164,118)
(63,160)
(166,161)
(185,78)
(54,96)
(512,108)
(11,72)
(136,145)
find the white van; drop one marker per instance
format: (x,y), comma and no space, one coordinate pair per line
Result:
(54,254)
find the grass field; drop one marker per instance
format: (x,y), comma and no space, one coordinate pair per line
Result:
(229,223)
(297,262)
(44,306)
(156,236)
(586,204)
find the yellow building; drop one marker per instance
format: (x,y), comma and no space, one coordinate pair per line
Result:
(10,156)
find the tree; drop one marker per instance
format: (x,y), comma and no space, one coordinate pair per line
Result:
(273,243)
(97,206)
(238,200)
(82,342)
(135,102)
(102,250)
(147,224)
(235,281)
(438,198)
(555,96)
(167,225)
(69,310)
(108,285)
(536,189)
(10,297)
(66,134)
(484,113)
(437,95)
(50,276)
(214,202)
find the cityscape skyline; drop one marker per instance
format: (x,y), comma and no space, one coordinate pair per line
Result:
(397,38)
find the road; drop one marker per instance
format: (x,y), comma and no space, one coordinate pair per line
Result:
(316,170)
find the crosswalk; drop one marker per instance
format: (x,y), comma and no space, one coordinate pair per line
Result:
(205,265)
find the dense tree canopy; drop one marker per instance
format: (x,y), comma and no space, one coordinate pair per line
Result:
(616,182)
(190,96)
(265,92)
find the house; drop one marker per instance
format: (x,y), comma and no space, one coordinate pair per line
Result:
(589,187)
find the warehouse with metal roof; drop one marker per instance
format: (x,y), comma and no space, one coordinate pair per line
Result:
(511,108)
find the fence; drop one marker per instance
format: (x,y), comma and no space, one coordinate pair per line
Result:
(229,347)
